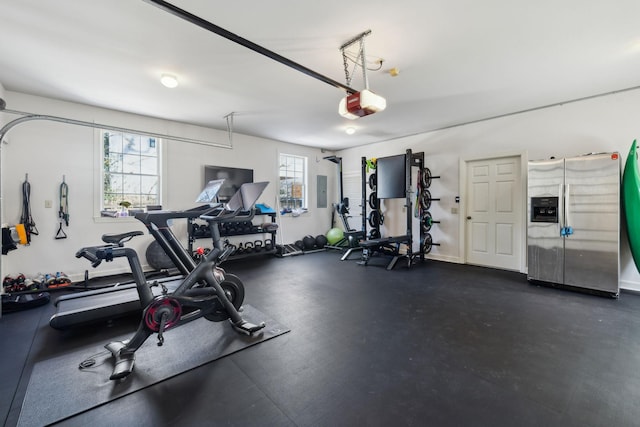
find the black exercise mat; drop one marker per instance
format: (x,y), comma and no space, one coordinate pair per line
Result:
(67,390)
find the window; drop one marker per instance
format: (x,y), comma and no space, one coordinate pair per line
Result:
(130,172)
(293,181)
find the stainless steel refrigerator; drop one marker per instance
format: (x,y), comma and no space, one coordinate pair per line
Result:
(573,235)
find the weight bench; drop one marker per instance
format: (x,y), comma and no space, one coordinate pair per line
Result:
(387,246)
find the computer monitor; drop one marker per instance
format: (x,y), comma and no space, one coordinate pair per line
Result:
(391,177)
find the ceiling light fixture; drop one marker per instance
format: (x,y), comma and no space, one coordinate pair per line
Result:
(350,130)
(169,80)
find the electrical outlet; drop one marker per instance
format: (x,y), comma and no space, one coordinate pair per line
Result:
(48,204)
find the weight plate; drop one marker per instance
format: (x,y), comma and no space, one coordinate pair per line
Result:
(373,200)
(373,180)
(426,178)
(374,219)
(374,234)
(425,199)
(427,244)
(427,222)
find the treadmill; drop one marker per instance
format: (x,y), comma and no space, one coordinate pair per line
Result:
(122,299)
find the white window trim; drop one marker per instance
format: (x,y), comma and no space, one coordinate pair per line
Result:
(97,179)
(306,177)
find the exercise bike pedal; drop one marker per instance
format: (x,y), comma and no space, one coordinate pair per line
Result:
(124,362)
(248,328)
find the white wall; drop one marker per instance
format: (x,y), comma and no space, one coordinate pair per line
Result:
(603,124)
(48,150)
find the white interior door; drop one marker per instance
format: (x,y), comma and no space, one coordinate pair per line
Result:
(494,213)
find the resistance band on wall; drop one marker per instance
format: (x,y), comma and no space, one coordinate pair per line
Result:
(26,219)
(63,211)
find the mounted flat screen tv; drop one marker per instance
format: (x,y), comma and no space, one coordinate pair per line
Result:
(233,179)
(391,176)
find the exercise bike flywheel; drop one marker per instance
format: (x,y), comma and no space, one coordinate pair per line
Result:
(234,290)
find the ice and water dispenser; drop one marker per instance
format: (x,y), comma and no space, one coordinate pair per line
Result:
(544,209)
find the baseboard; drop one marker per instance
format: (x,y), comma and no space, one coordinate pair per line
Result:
(629,285)
(445,258)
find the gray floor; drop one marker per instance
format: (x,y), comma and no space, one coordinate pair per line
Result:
(438,344)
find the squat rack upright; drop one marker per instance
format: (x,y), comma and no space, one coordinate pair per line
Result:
(391,245)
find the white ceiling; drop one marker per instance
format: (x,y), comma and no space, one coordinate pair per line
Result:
(459,60)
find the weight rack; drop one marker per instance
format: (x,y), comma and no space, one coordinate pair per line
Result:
(424,200)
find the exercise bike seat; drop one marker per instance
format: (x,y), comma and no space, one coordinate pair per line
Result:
(119,239)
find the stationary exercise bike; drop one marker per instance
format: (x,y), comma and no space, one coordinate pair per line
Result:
(206,291)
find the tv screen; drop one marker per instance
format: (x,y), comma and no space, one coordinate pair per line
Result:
(391,176)
(233,179)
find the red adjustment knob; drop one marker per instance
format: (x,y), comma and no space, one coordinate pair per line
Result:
(200,251)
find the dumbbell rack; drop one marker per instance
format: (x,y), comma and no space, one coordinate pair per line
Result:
(237,228)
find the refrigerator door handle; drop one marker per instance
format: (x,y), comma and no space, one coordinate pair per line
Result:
(568,230)
(561,208)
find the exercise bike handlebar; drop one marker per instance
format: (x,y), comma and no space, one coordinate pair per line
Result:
(90,254)
(96,254)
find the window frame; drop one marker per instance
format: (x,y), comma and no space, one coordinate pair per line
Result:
(304,199)
(100,172)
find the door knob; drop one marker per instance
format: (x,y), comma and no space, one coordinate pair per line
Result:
(468,217)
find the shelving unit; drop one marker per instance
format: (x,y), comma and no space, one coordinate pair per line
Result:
(235,228)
